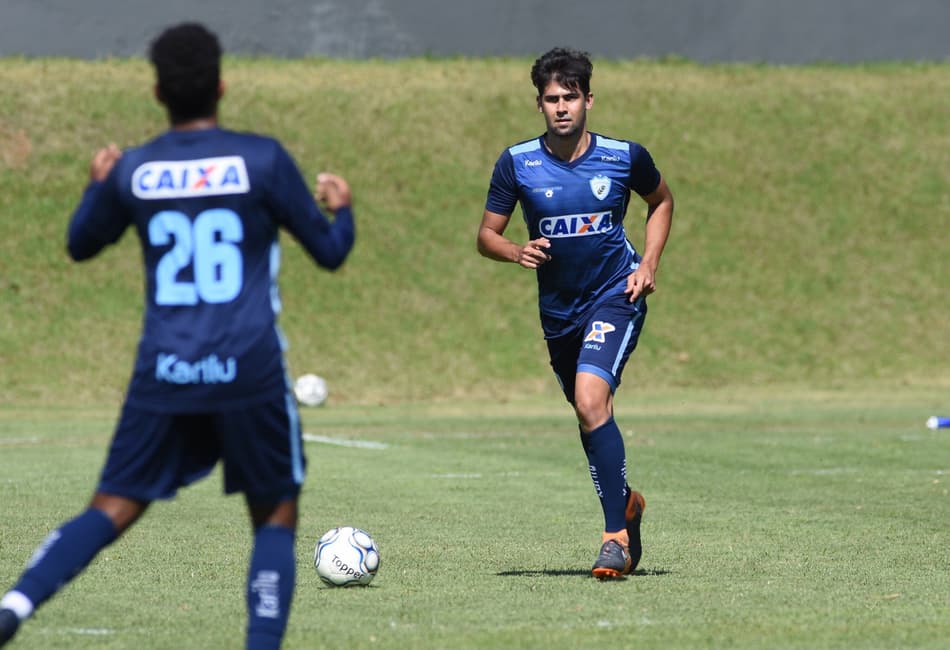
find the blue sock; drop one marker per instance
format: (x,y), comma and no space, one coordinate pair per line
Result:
(608,469)
(270,586)
(64,554)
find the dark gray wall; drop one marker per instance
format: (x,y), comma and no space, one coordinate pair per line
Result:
(775,31)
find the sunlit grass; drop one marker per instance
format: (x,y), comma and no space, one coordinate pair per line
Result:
(785,518)
(808,245)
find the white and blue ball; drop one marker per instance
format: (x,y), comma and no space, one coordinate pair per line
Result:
(311,390)
(346,556)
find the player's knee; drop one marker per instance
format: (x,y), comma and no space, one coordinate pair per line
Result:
(122,511)
(283,513)
(591,412)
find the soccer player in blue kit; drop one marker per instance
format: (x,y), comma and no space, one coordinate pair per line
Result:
(574,186)
(209,381)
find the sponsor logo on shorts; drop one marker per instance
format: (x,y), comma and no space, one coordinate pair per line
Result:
(599,331)
(576,225)
(209,370)
(176,179)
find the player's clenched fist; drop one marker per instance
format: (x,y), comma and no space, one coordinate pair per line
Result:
(534,253)
(332,191)
(103,161)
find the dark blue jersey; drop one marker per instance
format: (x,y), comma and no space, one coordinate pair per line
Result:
(579,207)
(207,206)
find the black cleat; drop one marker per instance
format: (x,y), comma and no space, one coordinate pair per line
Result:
(636,504)
(8,625)
(613,561)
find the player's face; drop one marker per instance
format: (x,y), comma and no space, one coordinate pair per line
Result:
(565,109)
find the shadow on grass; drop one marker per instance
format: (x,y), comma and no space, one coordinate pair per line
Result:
(553,573)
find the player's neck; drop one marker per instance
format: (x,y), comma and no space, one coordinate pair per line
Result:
(197,124)
(568,148)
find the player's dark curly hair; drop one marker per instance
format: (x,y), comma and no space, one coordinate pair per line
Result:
(570,68)
(187,60)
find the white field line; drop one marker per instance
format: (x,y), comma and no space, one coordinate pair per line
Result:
(81,631)
(461,435)
(824,471)
(836,471)
(475,475)
(344,442)
(19,441)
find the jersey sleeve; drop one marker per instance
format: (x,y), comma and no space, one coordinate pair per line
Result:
(294,207)
(503,190)
(99,220)
(644,176)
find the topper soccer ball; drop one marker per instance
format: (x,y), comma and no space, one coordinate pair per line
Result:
(346,556)
(311,390)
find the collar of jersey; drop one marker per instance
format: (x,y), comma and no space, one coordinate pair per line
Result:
(577,161)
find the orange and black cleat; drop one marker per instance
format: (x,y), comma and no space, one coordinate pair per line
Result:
(636,504)
(613,561)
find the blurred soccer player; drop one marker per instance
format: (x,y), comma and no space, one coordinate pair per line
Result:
(209,382)
(574,186)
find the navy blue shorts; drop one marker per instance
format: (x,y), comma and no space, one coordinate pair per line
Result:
(154,454)
(601,344)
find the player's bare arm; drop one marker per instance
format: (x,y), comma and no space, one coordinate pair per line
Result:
(642,282)
(103,161)
(332,191)
(493,244)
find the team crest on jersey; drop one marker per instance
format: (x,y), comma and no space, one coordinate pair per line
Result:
(600,186)
(575,225)
(599,331)
(177,179)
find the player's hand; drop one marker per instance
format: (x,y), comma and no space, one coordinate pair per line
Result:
(102,162)
(641,282)
(534,253)
(332,191)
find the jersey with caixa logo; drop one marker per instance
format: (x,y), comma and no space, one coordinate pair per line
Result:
(579,207)
(207,206)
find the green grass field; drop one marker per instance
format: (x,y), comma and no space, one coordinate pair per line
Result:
(805,519)
(773,412)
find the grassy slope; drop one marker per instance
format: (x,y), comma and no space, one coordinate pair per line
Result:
(809,243)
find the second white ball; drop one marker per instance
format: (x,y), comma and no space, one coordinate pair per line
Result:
(346,556)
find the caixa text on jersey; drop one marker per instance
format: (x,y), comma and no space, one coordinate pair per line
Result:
(575,225)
